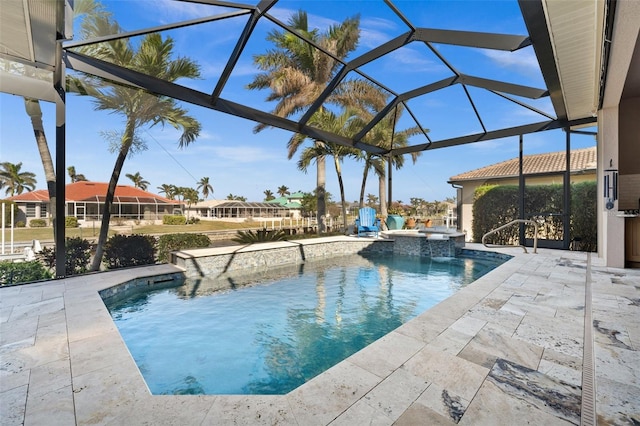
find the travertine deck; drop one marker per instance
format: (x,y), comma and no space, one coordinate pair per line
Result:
(507,349)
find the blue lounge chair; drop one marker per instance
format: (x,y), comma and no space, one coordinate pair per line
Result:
(367,223)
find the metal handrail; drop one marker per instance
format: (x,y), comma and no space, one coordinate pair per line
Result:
(527,221)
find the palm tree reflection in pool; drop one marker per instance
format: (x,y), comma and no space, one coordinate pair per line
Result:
(319,341)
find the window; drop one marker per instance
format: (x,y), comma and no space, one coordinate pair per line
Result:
(31,209)
(43,210)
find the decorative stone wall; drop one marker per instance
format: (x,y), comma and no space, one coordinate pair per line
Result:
(210,262)
(428,245)
(142,284)
(481,254)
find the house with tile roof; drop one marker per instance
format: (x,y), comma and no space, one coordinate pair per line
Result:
(293,202)
(236,211)
(538,169)
(85,201)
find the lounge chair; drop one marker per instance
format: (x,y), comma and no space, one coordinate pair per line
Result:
(367,223)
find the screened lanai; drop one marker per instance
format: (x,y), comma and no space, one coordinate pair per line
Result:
(126,208)
(568,47)
(243,209)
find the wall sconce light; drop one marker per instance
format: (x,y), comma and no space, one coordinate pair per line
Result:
(610,186)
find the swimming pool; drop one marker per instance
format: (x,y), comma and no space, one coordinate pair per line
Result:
(271,331)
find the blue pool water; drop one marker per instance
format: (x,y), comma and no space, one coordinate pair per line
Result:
(270,332)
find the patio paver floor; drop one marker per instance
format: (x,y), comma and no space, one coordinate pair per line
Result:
(507,349)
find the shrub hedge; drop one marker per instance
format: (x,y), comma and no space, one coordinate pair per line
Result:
(584,217)
(496,205)
(71,222)
(121,251)
(77,252)
(173,219)
(37,223)
(22,272)
(172,242)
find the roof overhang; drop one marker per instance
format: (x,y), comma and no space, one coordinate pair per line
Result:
(29,30)
(568,38)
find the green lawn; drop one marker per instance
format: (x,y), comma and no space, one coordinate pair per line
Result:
(46,234)
(203,226)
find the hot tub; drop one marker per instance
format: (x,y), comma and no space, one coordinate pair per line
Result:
(430,242)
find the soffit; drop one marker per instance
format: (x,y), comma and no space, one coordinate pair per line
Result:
(623,74)
(576,29)
(28,47)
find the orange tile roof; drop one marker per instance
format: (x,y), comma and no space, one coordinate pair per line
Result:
(94,191)
(551,162)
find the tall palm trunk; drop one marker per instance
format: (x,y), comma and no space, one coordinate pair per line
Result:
(127,141)
(365,175)
(321,181)
(382,188)
(35,113)
(343,201)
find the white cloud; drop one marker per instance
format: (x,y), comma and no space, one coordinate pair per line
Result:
(523,60)
(375,31)
(238,154)
(208,136)
(494,145)
(371,38)
(178,10)
(413,58)
(214,70)
(379,23)
(281,14)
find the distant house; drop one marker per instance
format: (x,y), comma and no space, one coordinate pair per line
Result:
(85,201)
(283,207)
(539,169)
(292,202)
(235,210)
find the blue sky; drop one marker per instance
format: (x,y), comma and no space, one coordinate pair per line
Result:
(240,162)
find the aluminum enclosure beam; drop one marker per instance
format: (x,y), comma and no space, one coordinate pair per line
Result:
(263,7)
(536,22)
(138,80)
(495,134)
(472,39)
(129,34)
(491,85)
(500,86)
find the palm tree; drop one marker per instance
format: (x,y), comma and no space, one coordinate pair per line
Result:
(205,187)
(190,196)
(296,73)
(268,195)
(168,190)
(75,177)
(153,56)
(283,190)
(437,207)
(15,180)
(138,180)
(385,136)
(341,125)
(34,111)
